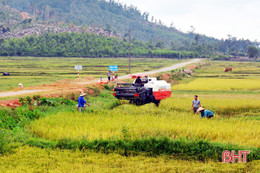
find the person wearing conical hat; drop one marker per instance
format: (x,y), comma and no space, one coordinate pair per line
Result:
(205,113)
(20,85)
(82,102)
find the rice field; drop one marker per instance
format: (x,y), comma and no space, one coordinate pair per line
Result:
(218,84)
(33,71)
(229,106)
(31,159)
(173,118)
(147,121)
(233,97)
(240,70)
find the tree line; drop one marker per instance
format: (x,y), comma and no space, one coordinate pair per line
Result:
(85,45)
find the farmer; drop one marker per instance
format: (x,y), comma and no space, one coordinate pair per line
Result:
(138,81)
(82,102)
(205,113)
(20,85)
(109,75)
(195,104)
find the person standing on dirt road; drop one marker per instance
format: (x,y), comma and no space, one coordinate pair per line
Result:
(82,102)
(109,75)
(195,104)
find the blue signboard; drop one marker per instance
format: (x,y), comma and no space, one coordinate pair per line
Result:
(113,68)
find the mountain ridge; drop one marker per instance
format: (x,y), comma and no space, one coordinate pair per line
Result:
(116,18)
(109,14)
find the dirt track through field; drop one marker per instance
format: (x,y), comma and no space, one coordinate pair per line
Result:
(76,84)
(173,67)
(15,93)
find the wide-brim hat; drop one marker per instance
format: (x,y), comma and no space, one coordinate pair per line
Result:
(83,94)
(200,109)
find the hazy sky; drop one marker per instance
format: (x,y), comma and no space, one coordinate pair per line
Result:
(217,18)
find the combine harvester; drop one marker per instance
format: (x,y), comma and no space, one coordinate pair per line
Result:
(151,90)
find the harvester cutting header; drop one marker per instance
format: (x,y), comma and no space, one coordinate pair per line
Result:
(144,90)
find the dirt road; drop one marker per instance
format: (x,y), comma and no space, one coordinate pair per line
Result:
(165,69)
(77,83)
(15,93)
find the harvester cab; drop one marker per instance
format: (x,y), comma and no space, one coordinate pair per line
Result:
(149,90)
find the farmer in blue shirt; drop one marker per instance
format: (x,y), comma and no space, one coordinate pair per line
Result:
(82,102)
(205,113)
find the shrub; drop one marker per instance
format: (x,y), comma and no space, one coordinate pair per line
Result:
(72,96)
(36,97)
(107,87)
(44,101)
(93,91)
(105,95)
(29,100)
(181,148)
(22,100)
(4,142)
(66,101)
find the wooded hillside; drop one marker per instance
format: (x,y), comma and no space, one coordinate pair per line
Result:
(117,18)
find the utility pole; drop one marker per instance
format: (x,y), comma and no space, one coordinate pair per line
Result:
(129,55)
